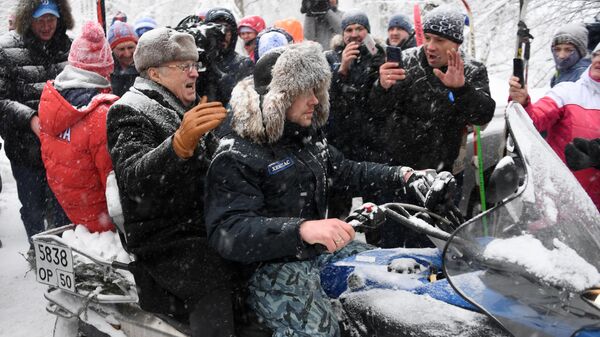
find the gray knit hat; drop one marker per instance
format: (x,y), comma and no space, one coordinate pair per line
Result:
(573,33)
(445,22)
(401,21)
(163,45)
(354,16)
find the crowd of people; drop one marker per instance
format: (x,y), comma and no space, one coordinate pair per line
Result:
(235,170)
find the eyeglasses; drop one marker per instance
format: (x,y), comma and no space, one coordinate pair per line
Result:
(187,67)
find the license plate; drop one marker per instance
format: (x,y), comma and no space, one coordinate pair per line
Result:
(54,265)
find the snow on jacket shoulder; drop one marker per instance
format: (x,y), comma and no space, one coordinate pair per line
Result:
(569,110)
(76,157)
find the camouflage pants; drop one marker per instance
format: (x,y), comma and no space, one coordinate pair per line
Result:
(290,299)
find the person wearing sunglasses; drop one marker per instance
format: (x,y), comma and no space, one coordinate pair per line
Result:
(158,136)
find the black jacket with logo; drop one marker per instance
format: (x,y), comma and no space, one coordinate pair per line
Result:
(258,195)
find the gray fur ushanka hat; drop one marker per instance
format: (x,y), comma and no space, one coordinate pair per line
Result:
(162,45)
(297,68)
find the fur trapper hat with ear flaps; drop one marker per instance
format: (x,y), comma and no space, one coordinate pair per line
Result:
(162,45)
(294,69)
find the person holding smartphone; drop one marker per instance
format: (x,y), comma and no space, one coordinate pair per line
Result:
(354,62)
(430,98)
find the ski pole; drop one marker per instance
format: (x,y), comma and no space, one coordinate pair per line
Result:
(481,181)
(477,129)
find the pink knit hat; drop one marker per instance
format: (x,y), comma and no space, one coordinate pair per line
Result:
(91,50)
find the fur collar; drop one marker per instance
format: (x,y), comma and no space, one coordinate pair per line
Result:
(24,15)
(299,68)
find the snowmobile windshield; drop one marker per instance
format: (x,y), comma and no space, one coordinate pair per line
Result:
(528,261)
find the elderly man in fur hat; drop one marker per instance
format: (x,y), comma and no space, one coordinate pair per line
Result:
(158,134)
(37,53)
(268,185)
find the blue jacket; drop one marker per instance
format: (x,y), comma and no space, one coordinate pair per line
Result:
(572,74)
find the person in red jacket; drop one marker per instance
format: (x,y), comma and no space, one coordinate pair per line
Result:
(72,116)
(569,110)
(248,28)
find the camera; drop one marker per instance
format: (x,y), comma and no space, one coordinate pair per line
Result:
(209,37)
(314,7)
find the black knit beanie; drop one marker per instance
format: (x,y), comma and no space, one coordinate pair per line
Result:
(445,22)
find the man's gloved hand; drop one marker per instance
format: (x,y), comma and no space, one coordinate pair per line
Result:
(583,153)
(196,122)
(429,188)
(417,182)
(441,192)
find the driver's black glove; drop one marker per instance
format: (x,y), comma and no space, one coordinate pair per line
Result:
(583,153)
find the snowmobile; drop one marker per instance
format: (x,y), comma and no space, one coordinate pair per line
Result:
(528,266)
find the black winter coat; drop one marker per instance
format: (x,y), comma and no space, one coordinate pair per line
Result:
(122,79)
(161,194)
(26,63)
(350,126)
(422,121)
(258,195)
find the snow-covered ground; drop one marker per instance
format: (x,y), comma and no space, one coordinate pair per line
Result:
(22,305)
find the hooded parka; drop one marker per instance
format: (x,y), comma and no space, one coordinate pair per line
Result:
(26,63)
(75,154)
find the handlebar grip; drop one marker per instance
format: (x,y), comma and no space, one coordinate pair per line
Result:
(519,70)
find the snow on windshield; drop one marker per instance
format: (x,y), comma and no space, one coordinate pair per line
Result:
(561,266)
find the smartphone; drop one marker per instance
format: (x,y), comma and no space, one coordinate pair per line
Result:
(370,44)
(394,54)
